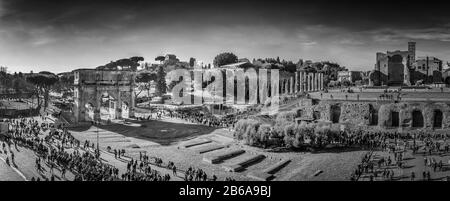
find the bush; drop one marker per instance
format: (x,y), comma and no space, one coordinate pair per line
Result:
(250,136)
(264,133)
(346,83)
(246,127)
(289,135)
(284,134)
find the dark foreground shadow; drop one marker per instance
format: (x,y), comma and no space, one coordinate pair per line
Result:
(164,133)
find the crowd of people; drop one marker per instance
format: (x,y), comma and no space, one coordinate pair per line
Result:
(395,145)
(59,150)
(389,96)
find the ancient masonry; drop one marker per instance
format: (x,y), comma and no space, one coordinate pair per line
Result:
(403,115)
(302,82)
(91,85)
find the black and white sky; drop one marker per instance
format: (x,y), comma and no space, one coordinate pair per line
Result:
(61,35)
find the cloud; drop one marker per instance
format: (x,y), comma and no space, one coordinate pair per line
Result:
(441,34)
(309,43)
(349,41)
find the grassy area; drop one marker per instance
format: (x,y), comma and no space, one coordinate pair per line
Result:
(4,104)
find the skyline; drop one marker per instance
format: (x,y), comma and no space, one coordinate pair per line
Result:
(60,36)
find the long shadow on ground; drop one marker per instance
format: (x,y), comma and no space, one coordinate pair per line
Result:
(164,133)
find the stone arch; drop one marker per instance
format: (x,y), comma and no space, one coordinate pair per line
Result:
(447,80)
(417,119)
(108,103)
(300,113)
(429,115)
(316,115)
(335,112)
(389,115)
(89,86)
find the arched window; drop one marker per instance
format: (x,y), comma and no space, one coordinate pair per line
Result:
(335,113)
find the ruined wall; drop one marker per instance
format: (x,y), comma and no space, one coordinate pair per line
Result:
(373,113)
(405,111)
(324,109)
(355,113)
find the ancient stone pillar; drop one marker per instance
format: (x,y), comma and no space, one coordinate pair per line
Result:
(314,81)
(321,81)
(302,80)
(98,98)
(131,105)
(291,90)
(296,82)
(305,82)
(317,82)
(310,81)
(77,105)
(118,106)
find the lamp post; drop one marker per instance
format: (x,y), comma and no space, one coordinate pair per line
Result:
(98,147)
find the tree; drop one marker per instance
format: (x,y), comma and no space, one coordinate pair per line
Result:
(161,87)
(143,80)
(131,63)
(289,66)
(64,83)
(224,59)
(160,58)
(43,82)
(346,83)
(20,85)
(191,62)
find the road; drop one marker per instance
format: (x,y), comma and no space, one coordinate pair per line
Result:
(8,173)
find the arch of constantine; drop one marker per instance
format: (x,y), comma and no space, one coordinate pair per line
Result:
(92,85)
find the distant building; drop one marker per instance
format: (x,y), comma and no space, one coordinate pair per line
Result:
(428,69)
(392,64)
(430,63)
(351,76)
(402,68)
(3,69)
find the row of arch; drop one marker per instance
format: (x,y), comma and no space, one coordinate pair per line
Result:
(417,119)
(107,109)
(394,116)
